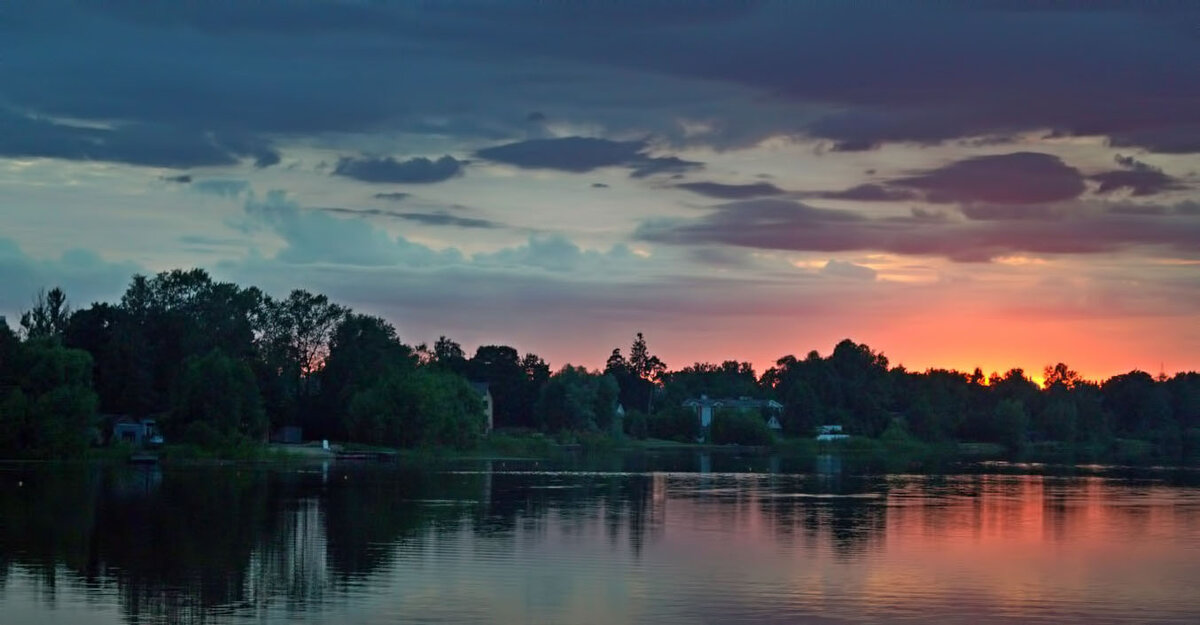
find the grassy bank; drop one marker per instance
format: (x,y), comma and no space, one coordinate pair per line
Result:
(893,452)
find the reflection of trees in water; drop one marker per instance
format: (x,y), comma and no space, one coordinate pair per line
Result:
(527,503)
(849,511)
(194,544)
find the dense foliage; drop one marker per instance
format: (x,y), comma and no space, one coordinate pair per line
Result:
(217,364)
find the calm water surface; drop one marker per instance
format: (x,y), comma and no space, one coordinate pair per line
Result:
(624,540)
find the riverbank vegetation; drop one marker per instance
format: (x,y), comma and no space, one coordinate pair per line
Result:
(220,367)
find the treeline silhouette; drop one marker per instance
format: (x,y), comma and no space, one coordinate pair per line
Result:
(219,365)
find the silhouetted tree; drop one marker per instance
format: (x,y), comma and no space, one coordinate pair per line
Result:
(49,315)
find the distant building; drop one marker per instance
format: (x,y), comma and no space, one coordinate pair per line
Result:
(831,433)
(704,409)
(774,424)
(140,433)
(485,393)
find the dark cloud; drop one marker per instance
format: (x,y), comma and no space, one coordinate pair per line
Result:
(720,256)
(1138,181)
(180,179)
(574,154)
(133,143)
(869,193)
(732,191)
(1016,178)
(1166,138)
(855,145)
(1139,177)
(663,165)
(365,67)
(267,159)
(394,196)
(429,219)
(788,225)
(584,154)
(599,185)
(418,170)
(1007,212)
(1130,162)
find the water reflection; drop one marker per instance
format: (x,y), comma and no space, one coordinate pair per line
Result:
(677,538)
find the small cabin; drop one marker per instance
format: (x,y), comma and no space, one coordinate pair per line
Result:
(140,433)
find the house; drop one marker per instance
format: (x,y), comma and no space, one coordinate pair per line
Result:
(485,393)
(139,433)
(704,408)
(831,433)
(774,424)
(618,420)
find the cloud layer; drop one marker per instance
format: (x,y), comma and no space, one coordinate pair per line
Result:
(418,170)
(788,225)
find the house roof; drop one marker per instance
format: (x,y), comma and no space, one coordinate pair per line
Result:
(740,403)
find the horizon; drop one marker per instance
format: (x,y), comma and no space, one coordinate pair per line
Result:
(1035,374)
(1011,188)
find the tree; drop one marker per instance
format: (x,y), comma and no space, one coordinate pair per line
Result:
(425,407)
(503,370)
(362,349)
(578,400)
(449,355)
(642,363)
(1137,402)
(49,408)
(728,379)
(216,401)
(1009,422)
(1060,375)
(739,428)
(638,376)
(293,345)
(49,315)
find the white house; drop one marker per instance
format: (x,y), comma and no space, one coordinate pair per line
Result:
(831,433)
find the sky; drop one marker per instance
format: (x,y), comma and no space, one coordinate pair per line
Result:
(984,184)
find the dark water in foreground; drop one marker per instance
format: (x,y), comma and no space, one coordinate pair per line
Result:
(627,540)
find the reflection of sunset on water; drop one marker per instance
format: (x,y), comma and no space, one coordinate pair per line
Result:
(514,542)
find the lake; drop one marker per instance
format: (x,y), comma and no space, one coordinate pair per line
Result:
(670,538)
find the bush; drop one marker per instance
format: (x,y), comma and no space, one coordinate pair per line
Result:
(535,445)
(676,424)
(636,425)
(740,428)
